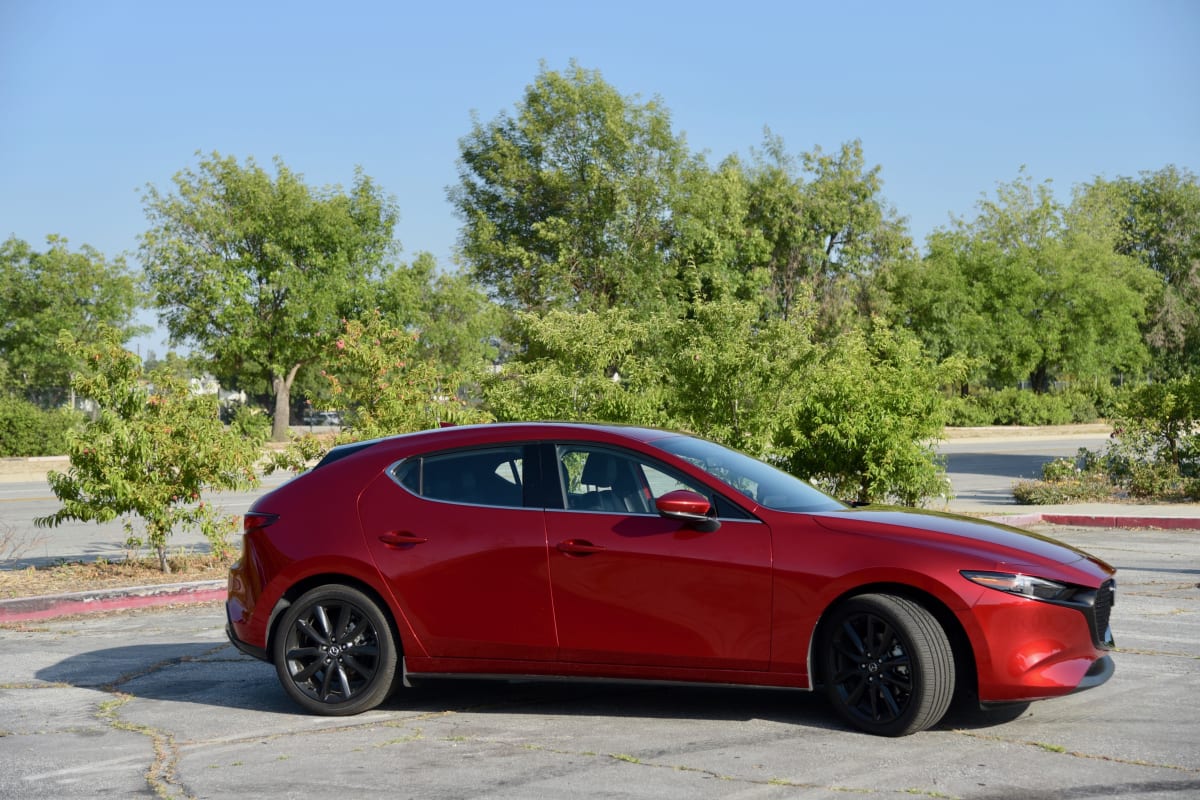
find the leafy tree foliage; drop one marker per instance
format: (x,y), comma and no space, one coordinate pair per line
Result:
(258,270)
(1159,224)
(864,423)
(826,225)
(565,201)
(42,293)
(26,430)
(588,366)
(715,252)
(388,385)
(857,417)
(731,377)
(153,447)
(1027,291)
(455,323)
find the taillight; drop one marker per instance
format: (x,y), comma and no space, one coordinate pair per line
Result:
(256,521)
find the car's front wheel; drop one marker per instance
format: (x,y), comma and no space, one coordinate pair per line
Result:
(335,652)
(887,664)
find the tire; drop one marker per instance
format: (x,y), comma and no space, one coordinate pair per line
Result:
(334,652)
(887,665)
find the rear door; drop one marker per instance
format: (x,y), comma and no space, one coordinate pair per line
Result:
(463,555)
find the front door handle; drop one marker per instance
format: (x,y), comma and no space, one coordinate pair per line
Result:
(401,539)
(579,547)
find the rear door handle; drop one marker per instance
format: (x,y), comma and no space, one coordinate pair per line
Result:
(579,547)
(401,539)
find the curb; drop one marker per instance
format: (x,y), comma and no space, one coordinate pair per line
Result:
(28,609)
(1096,520)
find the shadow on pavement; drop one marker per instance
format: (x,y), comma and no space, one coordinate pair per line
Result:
(217,675)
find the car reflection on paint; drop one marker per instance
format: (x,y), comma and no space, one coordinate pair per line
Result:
(593,551)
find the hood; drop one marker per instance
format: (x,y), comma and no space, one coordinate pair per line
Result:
(1008,544)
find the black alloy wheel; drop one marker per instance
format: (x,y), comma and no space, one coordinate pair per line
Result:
(335,653)
(888,665)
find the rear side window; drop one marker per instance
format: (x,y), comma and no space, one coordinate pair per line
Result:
(485,477)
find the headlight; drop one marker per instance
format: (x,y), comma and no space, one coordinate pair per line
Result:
(1026,585)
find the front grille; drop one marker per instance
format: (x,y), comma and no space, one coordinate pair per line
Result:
(1099,612)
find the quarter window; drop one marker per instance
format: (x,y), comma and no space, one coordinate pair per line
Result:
(488,477)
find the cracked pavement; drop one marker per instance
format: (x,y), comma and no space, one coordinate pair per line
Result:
(156,703)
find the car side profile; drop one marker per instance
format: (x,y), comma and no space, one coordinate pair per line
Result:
(610,552)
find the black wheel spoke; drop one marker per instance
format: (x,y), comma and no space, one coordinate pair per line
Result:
(893,706)
(364,650)
(304,627)
(856,643)
(323,620)
(344,682)
(359,628)
(854,695)
(326,680)
(343,624)
(308,671)
(357,667)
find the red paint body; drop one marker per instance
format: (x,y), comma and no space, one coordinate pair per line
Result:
(543,589)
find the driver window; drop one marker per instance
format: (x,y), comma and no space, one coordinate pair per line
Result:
(597,479)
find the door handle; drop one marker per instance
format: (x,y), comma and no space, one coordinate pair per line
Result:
(579,547)
(401,539)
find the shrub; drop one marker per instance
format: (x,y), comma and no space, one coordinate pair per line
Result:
(26,430)
(1012,406)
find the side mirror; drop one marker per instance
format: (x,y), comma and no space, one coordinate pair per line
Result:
(690,507)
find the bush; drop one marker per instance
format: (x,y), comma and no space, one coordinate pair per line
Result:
(1013,406)
(1155,452)
(1064,481)
(26,430)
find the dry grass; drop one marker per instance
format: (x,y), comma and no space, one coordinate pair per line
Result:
(79,576)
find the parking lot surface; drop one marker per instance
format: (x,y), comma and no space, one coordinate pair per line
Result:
(157,703)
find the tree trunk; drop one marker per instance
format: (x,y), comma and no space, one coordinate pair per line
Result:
(282,386)
(1040,379)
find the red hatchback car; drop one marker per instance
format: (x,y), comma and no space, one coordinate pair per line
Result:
(593,551)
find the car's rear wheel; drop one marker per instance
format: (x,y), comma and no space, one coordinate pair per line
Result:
(335,652)
(888,666)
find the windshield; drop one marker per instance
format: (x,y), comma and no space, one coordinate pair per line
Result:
(758,481)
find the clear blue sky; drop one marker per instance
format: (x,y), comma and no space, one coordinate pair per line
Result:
(99,98)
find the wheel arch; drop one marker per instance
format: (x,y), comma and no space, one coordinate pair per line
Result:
(298,589)
(966,672)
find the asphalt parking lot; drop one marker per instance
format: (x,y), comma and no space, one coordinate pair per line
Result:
(155,702)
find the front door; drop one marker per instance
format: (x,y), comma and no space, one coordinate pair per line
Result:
(631,587)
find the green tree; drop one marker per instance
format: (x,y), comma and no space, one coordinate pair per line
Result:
(386,381)
(1159,224)
(151,451)
(587,366)
(863,422)
(565,202)
(715,252)
(42,293)
(731,377)
(827,227)
(1029,290)
(257,271)
(457,326)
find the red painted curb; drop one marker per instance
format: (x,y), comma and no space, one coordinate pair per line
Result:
(1108,521)
(28,609)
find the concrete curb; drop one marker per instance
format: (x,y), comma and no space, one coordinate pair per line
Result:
(1096,520)
(28,609)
